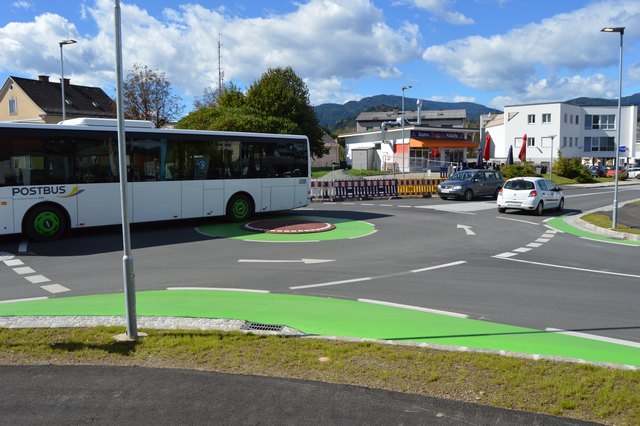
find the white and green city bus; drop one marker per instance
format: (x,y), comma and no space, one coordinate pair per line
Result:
(62,176)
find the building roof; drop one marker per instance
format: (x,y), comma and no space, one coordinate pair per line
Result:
(412,115)
(83,101)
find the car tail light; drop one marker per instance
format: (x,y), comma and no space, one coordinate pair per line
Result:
(533,193)
(500,192)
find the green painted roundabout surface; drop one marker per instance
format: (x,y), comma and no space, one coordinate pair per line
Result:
(337,317)
(345,229)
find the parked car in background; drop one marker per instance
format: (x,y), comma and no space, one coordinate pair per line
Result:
(467,184)
(612,172)
(530,193)
(598,170)
(634,172)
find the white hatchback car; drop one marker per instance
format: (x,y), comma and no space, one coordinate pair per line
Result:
(530,193)
(634,172)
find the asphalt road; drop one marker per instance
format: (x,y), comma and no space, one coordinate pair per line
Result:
(562,282)
(72,395)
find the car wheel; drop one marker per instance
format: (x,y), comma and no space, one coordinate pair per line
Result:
(501,210)
(443,197)
(539,209)
(560,205)
(468,195)
(45,223)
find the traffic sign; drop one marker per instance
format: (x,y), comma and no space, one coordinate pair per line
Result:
(622,148)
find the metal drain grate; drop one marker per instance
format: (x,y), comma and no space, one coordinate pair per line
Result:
(256,326)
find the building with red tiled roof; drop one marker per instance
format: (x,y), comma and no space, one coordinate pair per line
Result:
(40,101)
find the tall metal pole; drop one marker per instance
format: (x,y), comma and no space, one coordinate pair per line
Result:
(62,43)
(551,159)
(127,258)
(614,216)
(403,163)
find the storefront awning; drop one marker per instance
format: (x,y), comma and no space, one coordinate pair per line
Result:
(435,143)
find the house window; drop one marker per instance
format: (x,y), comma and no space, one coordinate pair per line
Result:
(13,106)
(546,118)
(571,118)
(601,122)
(565,118)
(531,141)
(604,143)
(531,119)
(570,141)
(564,141)
(577,119)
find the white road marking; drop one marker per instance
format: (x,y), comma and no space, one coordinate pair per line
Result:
(542,240)
(517,220)
(506,254)
(462,207)
(414,308)
(355,280)
(534,245)
(595,337)
(367,204)
(522,249)
(606,241)
(14,262)
(444,265)
(22,248)
(467,229)
(37,279)
(24,270)
(5,256)
(385,205)
(54,288)
(573,268)
(404,207)
(30,299)
(246,290)
(305,261)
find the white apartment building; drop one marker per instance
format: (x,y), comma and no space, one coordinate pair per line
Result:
(588,132)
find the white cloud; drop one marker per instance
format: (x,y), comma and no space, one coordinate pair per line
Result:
(456,98)
(517,61)
(21,4)
(442,9)
(561,89)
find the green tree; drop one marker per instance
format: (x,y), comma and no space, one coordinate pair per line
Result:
(281,93)
(277,103)
(148,96)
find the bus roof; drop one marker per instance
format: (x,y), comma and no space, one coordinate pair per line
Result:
(107,122)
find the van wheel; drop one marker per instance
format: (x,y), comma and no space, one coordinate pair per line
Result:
(468,195)
(45,223)
(239,208)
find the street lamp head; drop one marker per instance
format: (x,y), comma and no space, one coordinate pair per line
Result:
(406,87)
(613,30)
(63,42)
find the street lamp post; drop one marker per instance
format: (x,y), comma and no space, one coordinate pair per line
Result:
(403,89)
(62,43)
(614,216)
(551,158)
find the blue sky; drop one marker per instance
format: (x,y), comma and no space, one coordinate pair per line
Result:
(493,52)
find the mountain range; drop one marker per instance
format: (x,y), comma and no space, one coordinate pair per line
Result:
(337,118)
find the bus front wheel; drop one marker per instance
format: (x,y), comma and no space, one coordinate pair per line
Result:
(239,208)
(44,223)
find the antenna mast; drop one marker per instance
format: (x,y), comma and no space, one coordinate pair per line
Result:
(220,71)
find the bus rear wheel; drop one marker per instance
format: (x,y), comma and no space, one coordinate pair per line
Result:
(45,223)
(239,208)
